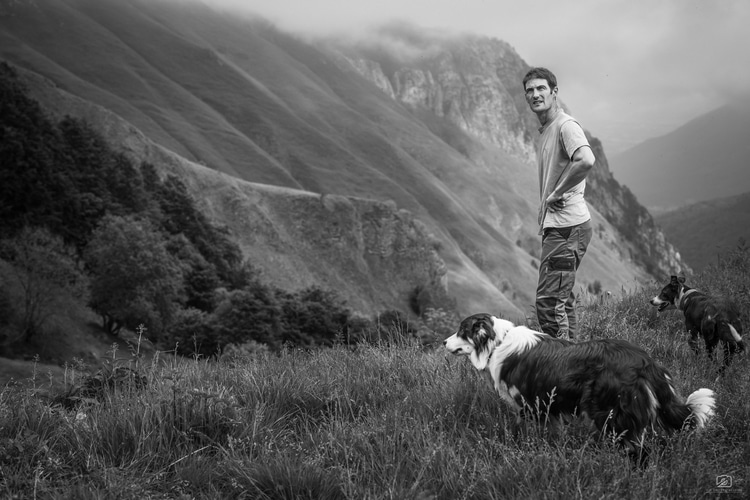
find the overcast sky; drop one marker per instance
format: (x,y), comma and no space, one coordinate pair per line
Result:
(627,69)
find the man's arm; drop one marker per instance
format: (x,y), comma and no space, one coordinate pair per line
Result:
(580,164)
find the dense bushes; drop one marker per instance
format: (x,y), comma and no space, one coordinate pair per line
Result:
(44,267)
(258,315)
(147,247)
(151,256)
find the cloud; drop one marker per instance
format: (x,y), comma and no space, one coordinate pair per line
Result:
(632,62)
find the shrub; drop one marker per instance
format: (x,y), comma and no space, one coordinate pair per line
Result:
(393,326)
(247,349)
(252,313)
(360,330)
(191,334)
(6,307)
(437,325)
(312,317)
(42,264)
(420,300)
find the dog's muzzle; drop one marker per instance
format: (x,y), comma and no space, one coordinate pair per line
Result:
(455,346)
(660,304)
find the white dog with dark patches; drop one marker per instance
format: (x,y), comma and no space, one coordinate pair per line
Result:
(612,382)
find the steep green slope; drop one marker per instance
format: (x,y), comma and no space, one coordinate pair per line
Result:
(240,97)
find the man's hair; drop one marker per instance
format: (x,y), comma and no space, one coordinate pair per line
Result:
(542,74)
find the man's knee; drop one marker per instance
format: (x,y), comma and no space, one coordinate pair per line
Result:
(554,298)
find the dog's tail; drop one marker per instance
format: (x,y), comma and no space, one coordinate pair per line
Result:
(738,338)
(695,412)
(701,404)
(727,332)
(722,321)
(735,335)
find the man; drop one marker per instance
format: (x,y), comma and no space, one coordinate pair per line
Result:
(565,158)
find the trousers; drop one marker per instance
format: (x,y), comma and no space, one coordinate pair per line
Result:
(562,252)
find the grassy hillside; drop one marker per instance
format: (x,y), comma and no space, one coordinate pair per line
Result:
(265,108)
(705,232)
(238,96)
(93,242)
(386,421)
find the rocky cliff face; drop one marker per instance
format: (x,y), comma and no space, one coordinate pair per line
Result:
(301,239)
(472,82)
(617,203)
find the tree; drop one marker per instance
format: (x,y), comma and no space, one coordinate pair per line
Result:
(28,141)
(201,283)
(312,316)
(252,313)
(180,215)
(201,279)
(134,278)
(191,334)
(45,268)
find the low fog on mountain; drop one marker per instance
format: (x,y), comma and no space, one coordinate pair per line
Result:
(675,129)
(646,74)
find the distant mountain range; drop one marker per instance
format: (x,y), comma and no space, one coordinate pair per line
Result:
(707,158)
(703,232)
(378,169)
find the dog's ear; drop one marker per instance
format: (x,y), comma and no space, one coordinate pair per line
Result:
(681,279)
(484,335)
(483,329)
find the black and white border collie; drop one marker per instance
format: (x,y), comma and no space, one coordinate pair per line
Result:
(706,317)
(612,382)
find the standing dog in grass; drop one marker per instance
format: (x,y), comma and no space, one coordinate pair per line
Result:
(612,382)
(708,317)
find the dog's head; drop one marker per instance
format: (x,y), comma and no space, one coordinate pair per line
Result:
(477,337)
(670,294)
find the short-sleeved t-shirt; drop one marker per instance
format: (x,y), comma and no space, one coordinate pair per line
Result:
(559,139)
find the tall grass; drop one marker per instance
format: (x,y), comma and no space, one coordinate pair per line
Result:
(386,421)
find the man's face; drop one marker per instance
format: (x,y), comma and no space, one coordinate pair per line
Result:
(538,95)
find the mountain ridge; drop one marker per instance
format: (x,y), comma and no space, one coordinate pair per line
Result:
(724,222)
(702,160)
(365,229)
(245,99)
